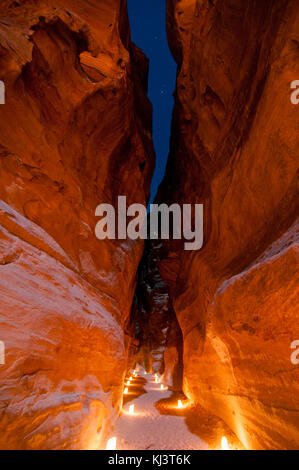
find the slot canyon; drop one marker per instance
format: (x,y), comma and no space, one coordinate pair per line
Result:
(78,314)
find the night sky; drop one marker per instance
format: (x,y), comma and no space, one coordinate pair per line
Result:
(148,31)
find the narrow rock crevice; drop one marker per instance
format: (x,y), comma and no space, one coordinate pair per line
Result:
(158,343)
(77,313)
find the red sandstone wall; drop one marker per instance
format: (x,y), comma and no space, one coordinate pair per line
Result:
(235,148)
(74,133)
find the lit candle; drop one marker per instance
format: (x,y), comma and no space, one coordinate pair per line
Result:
(224,444)
(126,390)
(180,404)
(131,409)
(111,444)
(162,387)
(156,378)
(128,383)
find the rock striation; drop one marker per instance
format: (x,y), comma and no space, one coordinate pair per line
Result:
(235,148)
(75,132)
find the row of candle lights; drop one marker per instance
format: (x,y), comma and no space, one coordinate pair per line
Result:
(111,444)
(128,383)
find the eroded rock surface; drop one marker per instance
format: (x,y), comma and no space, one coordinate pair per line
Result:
(158,338)
(75,132)
(235,148)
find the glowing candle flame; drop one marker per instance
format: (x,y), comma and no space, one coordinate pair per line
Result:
(180,404)
(156,378)
(131,410)
(224,444)
(130,378)
(162,387)
(128,383)
(111,444)
(126,390)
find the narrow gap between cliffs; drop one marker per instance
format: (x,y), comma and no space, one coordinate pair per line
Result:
(154,328)
(148,31)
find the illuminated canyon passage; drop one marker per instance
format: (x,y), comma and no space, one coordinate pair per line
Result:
(141,344)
